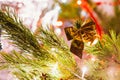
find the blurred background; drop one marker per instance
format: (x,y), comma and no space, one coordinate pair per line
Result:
(58,14)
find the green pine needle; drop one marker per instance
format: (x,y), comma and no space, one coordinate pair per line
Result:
(36,58)
(107,48)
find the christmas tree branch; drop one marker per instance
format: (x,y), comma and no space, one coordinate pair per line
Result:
(106,50)
(20,35)
(108,47)
(96,70)
(20,65)
(58,48)
(50,55)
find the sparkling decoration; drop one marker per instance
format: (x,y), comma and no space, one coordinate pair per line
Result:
(79,2)
(55,70)
(58,31)
(93,58)
(84,13)
(64,1)
(84,70)
(58,23)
